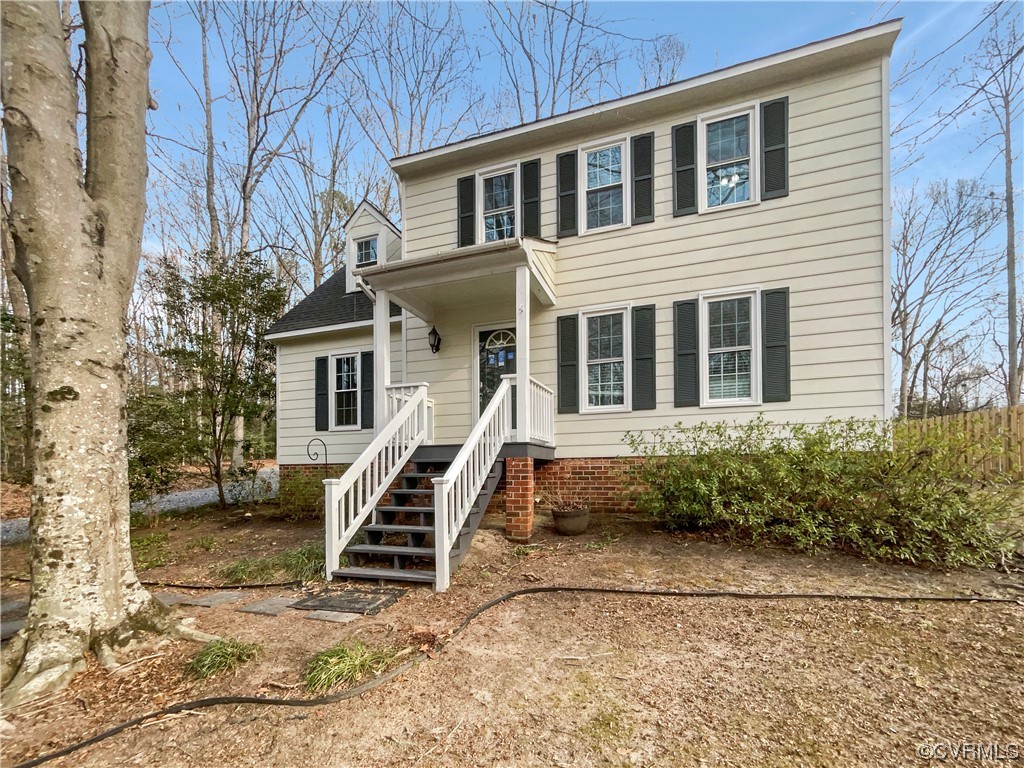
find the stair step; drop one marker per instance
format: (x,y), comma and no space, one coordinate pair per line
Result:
(384,508)
(384,574)
(412,491)
(423,474)
(397,528)
(390,549)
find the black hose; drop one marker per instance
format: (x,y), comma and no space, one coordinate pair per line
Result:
(188,706)
(172,585)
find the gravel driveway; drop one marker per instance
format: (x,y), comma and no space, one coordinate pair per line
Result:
(16,530)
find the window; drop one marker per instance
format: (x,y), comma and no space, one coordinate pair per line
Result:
(345,393)
(366,252)
(726,149)
(499,206)
(605,372)
(605,194)
(730,348)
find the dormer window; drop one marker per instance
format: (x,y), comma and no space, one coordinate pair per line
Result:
(499,206)
(366,252)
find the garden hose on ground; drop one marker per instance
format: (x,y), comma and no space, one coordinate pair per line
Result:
(189,706)
(172,585)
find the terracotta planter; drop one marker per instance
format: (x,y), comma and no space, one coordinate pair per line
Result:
(571,522)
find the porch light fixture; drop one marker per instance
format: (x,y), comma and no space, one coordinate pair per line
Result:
(434,339)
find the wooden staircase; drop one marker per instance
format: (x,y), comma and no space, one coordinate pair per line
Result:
(397,541)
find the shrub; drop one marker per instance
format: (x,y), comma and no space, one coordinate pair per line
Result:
(301,497)
(867,487)
(221,656)
(159,440)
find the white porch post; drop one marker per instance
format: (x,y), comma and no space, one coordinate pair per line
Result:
(381,359)
(523,352)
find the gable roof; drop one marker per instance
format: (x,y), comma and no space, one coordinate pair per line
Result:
(860,44)
(329,305)
(375,212)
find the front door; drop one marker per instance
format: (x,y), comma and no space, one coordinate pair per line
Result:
(497,350)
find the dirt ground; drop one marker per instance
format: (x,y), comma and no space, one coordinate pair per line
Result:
(14,500)
(577,680)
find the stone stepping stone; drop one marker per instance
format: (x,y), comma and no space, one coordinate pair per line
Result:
(9,628)
(217,598)
(16,609)
(274,606)
(171,598)
(335,616)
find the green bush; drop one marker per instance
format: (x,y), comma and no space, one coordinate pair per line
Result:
(159,440)
(872,488)
(301,497)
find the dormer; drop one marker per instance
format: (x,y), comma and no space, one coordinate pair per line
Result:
(370,239)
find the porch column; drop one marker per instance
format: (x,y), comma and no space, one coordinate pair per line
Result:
(381,358)
(523,350)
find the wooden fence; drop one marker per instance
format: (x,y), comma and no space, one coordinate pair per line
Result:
(1006,424)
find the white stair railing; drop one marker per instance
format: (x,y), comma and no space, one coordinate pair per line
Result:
(457,490)
(397,395)
(348,501)
(542,413)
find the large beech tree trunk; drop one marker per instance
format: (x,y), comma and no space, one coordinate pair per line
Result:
(77,234)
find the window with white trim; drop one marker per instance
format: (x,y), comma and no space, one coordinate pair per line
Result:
(730,342)
(499,206)
(605,346)
(366,252)
(727,149)
(345,391)
(604,190)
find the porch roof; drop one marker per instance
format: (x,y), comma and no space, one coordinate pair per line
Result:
(486,272)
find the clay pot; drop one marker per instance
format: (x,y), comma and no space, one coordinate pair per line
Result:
(571,522)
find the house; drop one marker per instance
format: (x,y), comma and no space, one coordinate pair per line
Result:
(709,249)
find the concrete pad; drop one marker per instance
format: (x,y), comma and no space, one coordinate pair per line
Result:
(275,606)
(217,598)
(171,598)
(15,608)
(9,628)
(336,616)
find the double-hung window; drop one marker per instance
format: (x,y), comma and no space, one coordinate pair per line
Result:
(499,206)
(345,391)
(731,348)
(727,147)
(605,193)
(366,252)
(605,375)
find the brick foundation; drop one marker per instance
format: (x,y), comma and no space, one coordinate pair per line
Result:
(602,482)
(519,498)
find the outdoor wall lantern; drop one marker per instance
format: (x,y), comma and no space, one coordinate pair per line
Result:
(434,338)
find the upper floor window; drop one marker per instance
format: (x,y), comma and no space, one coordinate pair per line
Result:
(345,392)
(499,206)
(605,195)
(726,152)
(366,252)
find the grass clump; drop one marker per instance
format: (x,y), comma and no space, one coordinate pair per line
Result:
(151,550)
(221,656)
(304,563)
(346,664)
(876,489)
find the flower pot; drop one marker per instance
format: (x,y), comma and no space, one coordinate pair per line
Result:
(571,522)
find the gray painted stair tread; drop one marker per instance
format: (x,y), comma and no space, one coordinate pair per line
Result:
(398,528)
(423,474)
(411,491)
(391,508)
(390,549)
(385,574)
(217,598)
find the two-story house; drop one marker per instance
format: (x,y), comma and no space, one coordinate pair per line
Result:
(710,249)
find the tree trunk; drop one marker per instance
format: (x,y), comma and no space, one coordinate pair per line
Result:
(78,243)
(1013,367)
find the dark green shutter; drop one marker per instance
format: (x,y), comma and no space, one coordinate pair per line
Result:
(775,149)
(530,194)
(642,155)
(684,169)
(645,397)
(467,210)
(321,399)
(565,164)
(775,345)
(686,353)
(366,390)
(568,364)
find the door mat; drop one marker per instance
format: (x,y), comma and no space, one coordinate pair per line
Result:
(368,602)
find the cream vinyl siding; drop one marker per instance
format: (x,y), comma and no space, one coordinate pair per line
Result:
(295,394)
(823,242)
